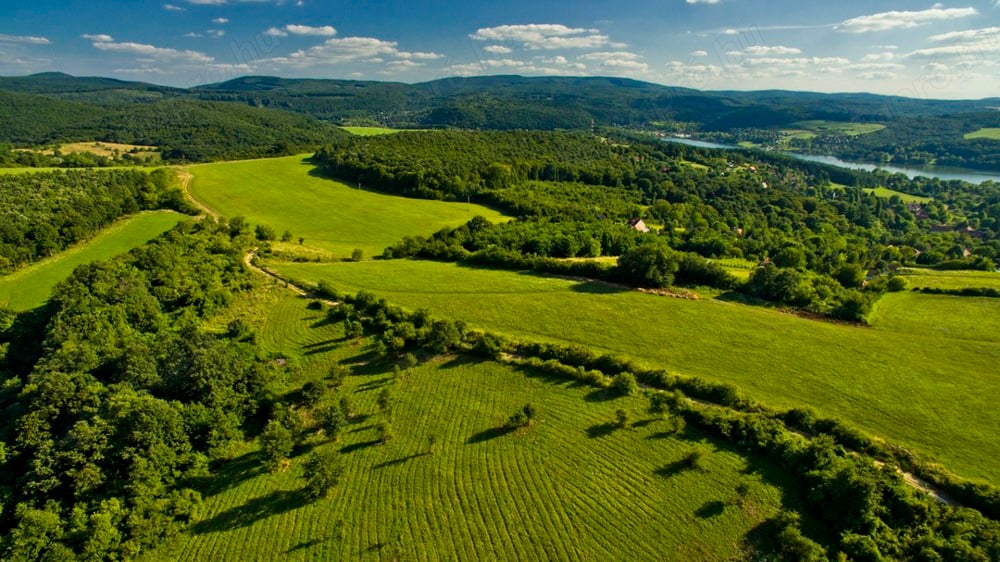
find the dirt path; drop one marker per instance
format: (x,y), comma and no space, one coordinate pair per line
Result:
(248,261)
(186,177)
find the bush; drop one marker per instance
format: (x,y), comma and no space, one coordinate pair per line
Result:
(624,384)
(322,472)
(357,254)
(265,233)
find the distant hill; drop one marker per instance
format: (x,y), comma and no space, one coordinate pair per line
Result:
(518,102)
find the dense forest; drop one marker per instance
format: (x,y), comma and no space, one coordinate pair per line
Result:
(184,130)
(115,400)
(574,192)
(42,213)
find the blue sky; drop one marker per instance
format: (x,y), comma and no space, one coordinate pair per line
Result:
(924,50)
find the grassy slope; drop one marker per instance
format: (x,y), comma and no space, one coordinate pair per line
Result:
(30,287)
(905,197)
(330,215)
(558,491)
(985,133)
(370,131)
(27,170)
(840,128)
(923,382)
(919,278)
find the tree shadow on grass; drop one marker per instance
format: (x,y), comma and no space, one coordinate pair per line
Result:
(359,446)
(601,395)
(460,360)
(598,288)
(547,377)
(711,509)
(400,460)
(489,434)
(372,385)
(257,509)
(601,430)
(229,474)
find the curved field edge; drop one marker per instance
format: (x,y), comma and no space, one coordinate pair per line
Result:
(559,490)
(285,194)
(925,386)
(30,287)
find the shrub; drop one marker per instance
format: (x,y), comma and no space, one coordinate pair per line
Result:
(624,384)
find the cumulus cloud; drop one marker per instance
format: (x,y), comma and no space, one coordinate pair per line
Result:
(275,32)
(972,43)
(968,35)
(348,49)
(323,31)
(100,38)
(152,52)
(498,49)
(895,19)
(172,8)
(221,21)
(28,39)
(549,36)
(699,53)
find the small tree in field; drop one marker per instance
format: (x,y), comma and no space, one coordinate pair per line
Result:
(276,442)
(322,472)
(624,384)
(621,419)
(522,418)
(357,254)
(334,420)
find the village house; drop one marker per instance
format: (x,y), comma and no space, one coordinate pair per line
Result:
(637,224)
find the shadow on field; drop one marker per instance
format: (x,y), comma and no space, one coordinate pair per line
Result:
(598,288)
(400,460)
(460,361)
(359,446)
(230,474)
(601,430)
(711,509)
(372,385)
(601,395)
(488,434)
(254,510)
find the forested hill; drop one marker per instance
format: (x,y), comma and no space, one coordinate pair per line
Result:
(516,102)
(184,129)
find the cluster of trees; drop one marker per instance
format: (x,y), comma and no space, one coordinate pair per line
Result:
(115,401)
(43,213)
(822,238)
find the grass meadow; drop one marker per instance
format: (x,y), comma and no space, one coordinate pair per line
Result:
(984,133)
(30,287)
(951,280)
(331,216)
(570,487)
(371,131)
(839,128)
(924,375)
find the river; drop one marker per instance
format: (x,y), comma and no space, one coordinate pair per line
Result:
(941,172)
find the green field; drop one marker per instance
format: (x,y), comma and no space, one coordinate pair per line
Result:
(951,280)
(567,488)
(371,131)
(30,287)
(330,215)
(984,133)
(925,383)
(27,170)
(905,197)
(839,128)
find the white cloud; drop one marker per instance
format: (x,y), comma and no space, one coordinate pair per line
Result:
(140,70)
(885,21)
(221,21)
(170,8)
(29,39)
(762,50)
(498,49)
(617,61)
(702,1)
(968,35)
(699,53)
(323,31)
(347,49)
(192,34)
(889,47)
(217,33)
(100,38)
(549,36)
(152,52)
(876,57)
(877,75)
(275,32)
(551,66)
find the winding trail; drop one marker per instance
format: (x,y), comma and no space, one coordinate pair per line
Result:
(186,177)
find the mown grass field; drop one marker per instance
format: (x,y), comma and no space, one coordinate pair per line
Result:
(984,133)
(886,193)
(330,215)
(370,131)
(567,488)
(919,379)
(26,170)
(950,280)
(30,287)
(839,127)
